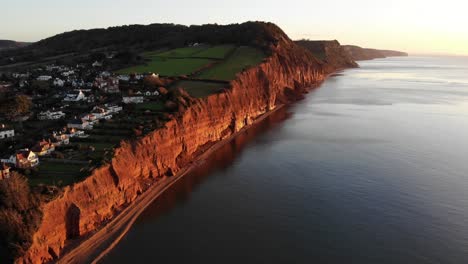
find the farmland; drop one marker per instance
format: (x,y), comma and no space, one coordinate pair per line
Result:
(241,59)
(222,62)
(199,88)
(169,66)
(58,173)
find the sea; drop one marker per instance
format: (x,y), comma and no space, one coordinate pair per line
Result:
(371,167)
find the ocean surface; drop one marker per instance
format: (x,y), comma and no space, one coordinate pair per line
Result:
(372,167)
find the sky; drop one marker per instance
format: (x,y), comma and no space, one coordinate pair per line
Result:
(415,26)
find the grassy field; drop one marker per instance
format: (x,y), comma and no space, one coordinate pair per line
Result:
(57,173)
(198,88)
(216,52)
(152,106)
(242,58)
(178,53)
(169,66)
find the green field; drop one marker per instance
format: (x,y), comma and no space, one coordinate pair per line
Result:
(178,53)
(241,59)
(57,173)
(152,106)
(216,52)
(188,60)
(199,88)
(169,66)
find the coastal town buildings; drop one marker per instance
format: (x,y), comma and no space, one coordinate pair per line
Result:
(6,132)
(26,159)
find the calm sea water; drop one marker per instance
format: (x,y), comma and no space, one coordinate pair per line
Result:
(372,167)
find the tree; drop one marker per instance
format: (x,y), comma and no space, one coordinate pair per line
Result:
(18,106)
(19,216)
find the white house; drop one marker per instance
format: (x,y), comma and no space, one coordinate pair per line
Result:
(44,78)
(124,78)
(48,115)
(68,73)
(132,99)
(113,108)
(149,93)
(75,97)
(97,64)
(9,159)
(59,82)
(79,124)
(6,132)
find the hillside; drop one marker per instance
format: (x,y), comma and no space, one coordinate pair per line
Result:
(146,37)
(329,52)
(357,53)
(11,44)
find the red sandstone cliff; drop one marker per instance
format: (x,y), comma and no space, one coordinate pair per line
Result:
(87,205)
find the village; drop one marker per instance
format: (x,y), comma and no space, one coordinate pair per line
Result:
(58,122)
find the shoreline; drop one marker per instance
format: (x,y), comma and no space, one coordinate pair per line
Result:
(100,243)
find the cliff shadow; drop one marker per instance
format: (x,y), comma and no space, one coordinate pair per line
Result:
(72,221)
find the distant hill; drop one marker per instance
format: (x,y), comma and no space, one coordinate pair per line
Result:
(147,37)
(358,53)
(11,44)
(330,52)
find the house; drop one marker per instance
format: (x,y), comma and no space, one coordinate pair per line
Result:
(4,171)
(18,75)
(43,147)
(68,73)
(58,82)
(132,99)
(6,132)
(44,78)
(107,85)
(9,160)
(91,119)
(26,159)
(97,64)
(49,115)
(124,78)
(75,97)
(149,93)
(61,139)
(79,124)
(105,74)
(113,108)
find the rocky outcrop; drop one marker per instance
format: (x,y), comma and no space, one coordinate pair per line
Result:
(82,208)
(330,52)
(357,53)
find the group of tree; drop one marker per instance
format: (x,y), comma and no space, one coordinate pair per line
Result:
(154,36)
(16,106)
(20,216)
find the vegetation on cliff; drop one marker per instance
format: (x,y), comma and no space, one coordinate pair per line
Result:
(20,216)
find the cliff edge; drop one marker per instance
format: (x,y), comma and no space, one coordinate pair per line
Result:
(357,53)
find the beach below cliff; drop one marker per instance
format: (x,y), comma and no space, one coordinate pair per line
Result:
(94,247)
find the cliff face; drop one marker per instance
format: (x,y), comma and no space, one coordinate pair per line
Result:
(330,52)
(87,205)
(358,53)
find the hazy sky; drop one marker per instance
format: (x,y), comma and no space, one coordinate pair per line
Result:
(416,26)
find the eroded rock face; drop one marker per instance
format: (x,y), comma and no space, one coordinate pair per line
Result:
(87,205)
